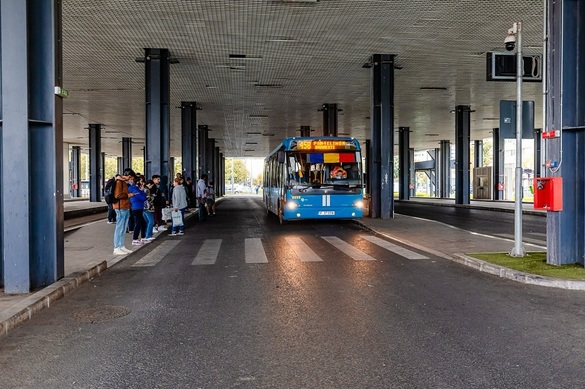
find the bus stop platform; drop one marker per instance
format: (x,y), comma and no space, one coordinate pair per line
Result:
(89,251)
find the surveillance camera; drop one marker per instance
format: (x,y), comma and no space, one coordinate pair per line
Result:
(510,42)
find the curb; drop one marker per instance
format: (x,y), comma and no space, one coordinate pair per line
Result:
(25,309)
(516,275)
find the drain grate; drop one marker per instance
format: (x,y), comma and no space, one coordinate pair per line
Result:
(99,314)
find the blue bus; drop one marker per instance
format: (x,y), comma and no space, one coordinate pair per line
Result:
(314,178)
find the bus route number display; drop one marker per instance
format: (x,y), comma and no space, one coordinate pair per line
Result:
(324,145)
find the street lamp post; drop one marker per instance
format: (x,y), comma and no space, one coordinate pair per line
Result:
(516,32)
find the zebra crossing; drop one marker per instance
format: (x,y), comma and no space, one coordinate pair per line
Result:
(255,252)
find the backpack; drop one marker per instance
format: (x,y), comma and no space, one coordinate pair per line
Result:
(109,191)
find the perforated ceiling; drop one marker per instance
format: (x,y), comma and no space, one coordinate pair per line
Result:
(303,54)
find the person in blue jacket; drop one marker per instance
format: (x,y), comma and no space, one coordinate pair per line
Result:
(137,207)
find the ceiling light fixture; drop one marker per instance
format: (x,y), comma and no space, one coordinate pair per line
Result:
(245,57)
(431,134)
(268,85)
(433,88)
(258,116)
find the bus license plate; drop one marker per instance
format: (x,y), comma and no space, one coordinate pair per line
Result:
(326,213)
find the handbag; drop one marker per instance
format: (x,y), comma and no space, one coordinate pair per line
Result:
(167,214)
(177,218)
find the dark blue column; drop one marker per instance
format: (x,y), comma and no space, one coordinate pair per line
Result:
(329,119)
(189,138)
(566,112)
(444,169)
(32,145)
(221,184)
(158,117)
(209,158)
(102,173)
(404,162)
(366,153)
(126,154)
(478,153)
(498,164)
(462,139)
(382,128)
(95,156)
(411,183)
(202,148)
(75,183)
(120,165)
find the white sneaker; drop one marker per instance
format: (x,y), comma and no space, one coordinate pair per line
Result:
(154,230)
(119,251)
(144,240)
(124,249)
(162,228)
(137,243)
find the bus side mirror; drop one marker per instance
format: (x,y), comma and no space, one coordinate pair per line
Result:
(281,157)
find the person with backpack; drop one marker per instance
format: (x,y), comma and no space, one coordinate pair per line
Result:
(110,199)
(122,208)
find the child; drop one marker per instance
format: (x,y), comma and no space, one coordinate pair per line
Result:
(210,199)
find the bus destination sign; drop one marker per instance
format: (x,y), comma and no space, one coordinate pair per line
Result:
(324,145)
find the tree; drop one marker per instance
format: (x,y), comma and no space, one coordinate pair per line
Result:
(239,172)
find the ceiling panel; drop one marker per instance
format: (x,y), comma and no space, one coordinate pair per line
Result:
(299,55)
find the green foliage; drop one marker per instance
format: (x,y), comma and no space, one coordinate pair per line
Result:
(534,263)
(236,169)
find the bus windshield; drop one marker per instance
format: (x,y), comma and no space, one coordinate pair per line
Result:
(316,172)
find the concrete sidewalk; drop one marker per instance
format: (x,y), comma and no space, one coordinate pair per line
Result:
(88,252)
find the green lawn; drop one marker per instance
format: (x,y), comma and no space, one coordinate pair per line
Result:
(534,263)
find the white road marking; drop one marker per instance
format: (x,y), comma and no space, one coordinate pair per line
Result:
(348,249)
(302,250)
(394,248)
(157,254)
(255,251)
(208,253)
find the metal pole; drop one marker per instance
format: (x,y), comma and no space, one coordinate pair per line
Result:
(518,250)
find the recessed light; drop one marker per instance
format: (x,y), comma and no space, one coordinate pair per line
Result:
(253,133)
(431,134)
(491,119)
(433,88)
(258,116)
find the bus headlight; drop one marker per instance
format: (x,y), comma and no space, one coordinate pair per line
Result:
(291,205)
(359,204)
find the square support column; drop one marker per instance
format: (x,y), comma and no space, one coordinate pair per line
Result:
(189,139)
(404,162)
(32,145)
(95,157)
(382,139)
(158,117)
(462,139)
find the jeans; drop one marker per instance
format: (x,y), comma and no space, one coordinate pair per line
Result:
(149,217)
(111,213)
(139,224)
(122,216)
(201,207)
(181,227)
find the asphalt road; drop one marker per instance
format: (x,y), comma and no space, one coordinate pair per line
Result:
(483,221)
(307,315)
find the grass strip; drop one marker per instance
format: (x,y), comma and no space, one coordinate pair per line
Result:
(533,263)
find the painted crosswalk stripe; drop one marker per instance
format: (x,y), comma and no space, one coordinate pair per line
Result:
(348,249)
(255,251)
(302,250)
(208,253)
(406,253)
(157,254)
